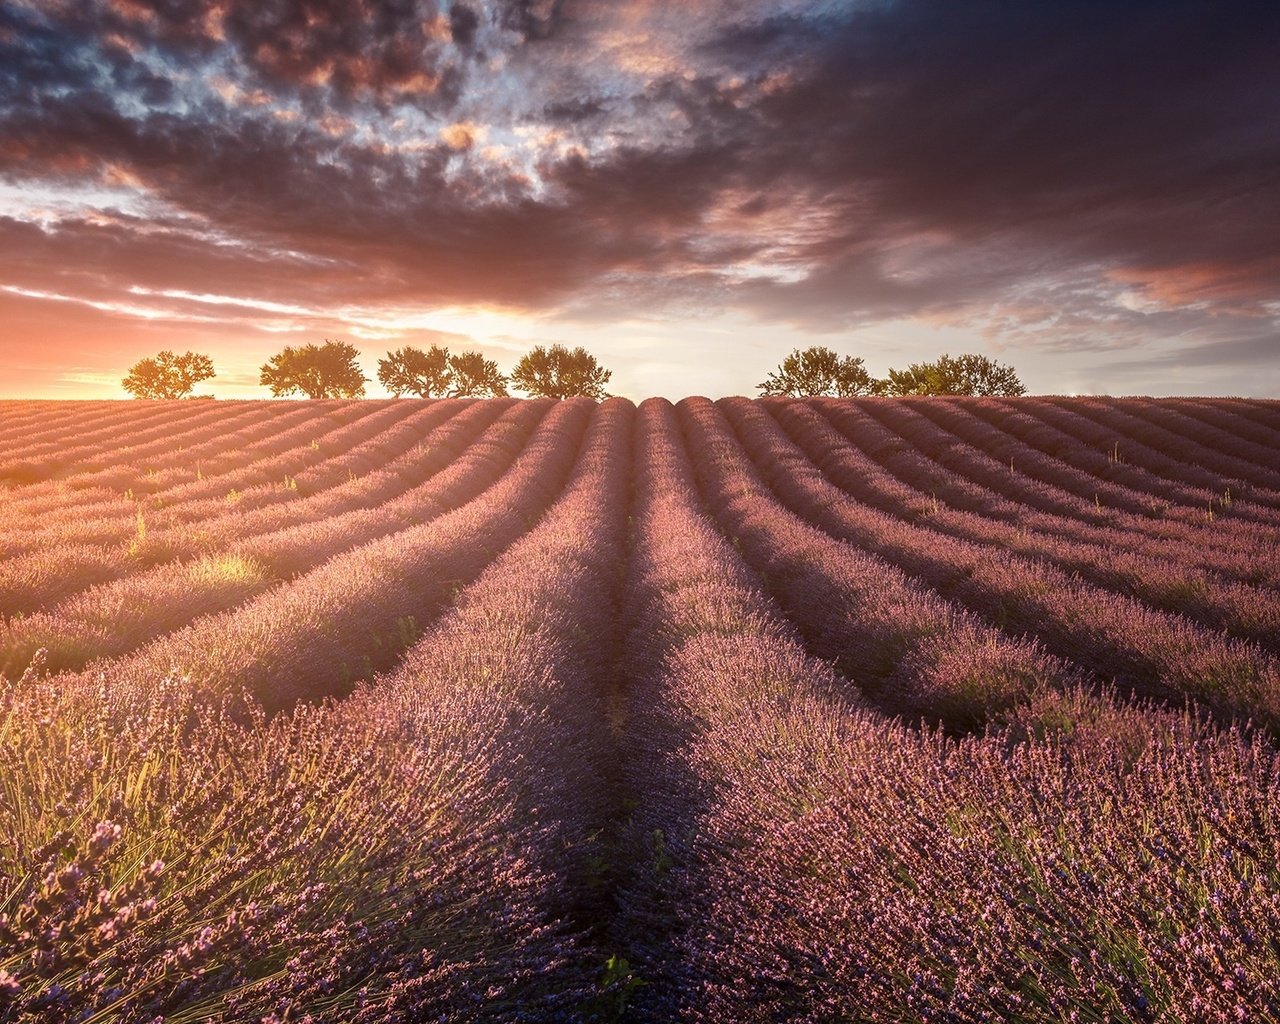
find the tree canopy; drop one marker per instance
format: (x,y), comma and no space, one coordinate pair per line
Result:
(954,375)
(317,371)
(438,374)
(412,371)
(168,375)
(558,372)
(819,371)
(474,376)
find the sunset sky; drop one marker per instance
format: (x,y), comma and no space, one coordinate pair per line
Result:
(1089,191)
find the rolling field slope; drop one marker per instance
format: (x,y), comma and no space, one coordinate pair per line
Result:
(751,710)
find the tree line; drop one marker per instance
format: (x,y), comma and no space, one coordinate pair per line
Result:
(820,371)
(331,370)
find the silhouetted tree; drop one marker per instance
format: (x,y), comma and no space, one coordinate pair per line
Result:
(168,375)
(425,374)
(437,374)
(558,372)
(474,376)
(954,375)
(318,371)
(819,371)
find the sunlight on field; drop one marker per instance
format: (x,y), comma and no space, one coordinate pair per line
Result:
(226,569)
(386,711)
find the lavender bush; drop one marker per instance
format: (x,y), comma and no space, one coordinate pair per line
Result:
(906,710)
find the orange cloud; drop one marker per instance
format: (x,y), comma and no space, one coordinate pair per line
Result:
(463,134)
(1189,284)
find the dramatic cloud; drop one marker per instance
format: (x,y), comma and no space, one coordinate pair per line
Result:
(1076,185)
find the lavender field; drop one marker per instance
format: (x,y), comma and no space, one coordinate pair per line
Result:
(933,709)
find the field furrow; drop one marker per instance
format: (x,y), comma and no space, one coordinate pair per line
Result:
(126,447)
(1258,421)
(870,443)
(759,711)
(986,460)
(906,648)
(431,441)
(62,428)
(21,421)
(146,470)
(711,660)
(276,455)
(1173,585)
(1130,438)
(355,614)
(248,475)
(527,715)
(1215,431)
(111,619)
(1118,639)
(1050,456)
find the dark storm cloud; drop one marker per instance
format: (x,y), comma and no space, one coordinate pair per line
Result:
(663,190)
(90,260)
(574,111)
(38,57)
(391,217)
(323,51)
(463,22)
(1140,134)
(533,19)
(342,48)
(922,157)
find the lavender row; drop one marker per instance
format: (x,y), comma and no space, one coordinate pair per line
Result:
(907,649)
(1128,438)
(111,619)
(54,571)
(535,702)
(1219,432)
(1055,467)
(88,423)
(191,865)
(1258,420)
(249,472)
(242,465)
(1113,636)
(1116,480)
(940,486)
(140,470)
(1172,585)
(864,872)
(709,657)
(298,464)
(126,466)
(809,861)
(1126,479)
(284,471)
(999,467)
(158,439)
(357,613)
(385,496)
(418,851)
(23,422)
